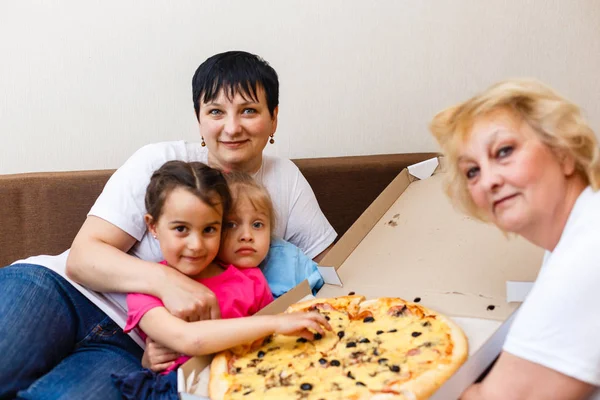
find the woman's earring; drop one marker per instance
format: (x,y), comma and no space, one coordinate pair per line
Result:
(203,143)
(155,237)
(272,140)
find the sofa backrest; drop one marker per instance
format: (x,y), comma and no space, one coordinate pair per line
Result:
(40,213)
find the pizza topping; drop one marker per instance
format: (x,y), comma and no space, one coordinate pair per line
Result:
(414,352)
(364,360)
(398,310)
(417,299)
(253,363)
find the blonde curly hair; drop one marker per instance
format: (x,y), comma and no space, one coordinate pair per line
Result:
(557,122)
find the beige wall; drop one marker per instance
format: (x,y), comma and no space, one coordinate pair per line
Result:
(83,84)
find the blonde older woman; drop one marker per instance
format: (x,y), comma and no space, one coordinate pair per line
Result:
(523,158)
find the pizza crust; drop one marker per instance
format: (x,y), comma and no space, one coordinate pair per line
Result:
(219,384)
(350,303)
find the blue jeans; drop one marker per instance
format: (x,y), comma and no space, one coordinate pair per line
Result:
(54,342)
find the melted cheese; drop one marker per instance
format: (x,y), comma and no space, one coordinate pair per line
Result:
(373,356)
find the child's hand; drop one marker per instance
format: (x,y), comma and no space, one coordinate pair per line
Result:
(158,357)
(299,323)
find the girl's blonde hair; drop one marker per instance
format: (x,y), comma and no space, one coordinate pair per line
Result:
(243,187)
(557,122)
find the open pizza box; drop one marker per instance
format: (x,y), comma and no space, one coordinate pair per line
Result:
(411,243)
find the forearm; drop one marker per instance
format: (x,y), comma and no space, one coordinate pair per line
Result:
(205,337)
(104,268)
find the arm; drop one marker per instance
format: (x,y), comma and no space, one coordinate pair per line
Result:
(518,379)
(211,336)
(98,260)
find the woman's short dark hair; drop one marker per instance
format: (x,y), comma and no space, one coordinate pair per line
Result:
(206,183)
(235,72)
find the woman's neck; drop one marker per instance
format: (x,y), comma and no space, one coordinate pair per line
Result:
(250,167)
(547,233)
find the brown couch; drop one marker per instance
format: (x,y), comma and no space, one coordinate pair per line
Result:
(40,213)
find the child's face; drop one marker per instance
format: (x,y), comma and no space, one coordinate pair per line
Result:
(247,236)
(188,230)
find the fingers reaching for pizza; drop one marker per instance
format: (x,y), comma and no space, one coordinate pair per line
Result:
(301,324)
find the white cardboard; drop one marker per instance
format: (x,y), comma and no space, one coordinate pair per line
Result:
(330,275)
(516,292)
(424,169)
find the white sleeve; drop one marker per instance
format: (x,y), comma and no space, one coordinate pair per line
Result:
(122,200)
(558,324)
(307,226)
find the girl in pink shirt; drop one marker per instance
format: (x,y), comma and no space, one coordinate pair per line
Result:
(186,205)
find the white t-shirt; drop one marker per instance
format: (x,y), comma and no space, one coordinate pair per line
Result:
(299,217)
(558,325)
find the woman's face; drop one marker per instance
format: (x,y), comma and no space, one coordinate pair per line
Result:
(236,131)
(513,178)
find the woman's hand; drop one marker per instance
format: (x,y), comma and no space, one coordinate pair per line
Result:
(299,323)
(187,299)
(158,357)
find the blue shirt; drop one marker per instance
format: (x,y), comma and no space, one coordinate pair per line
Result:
(286,266)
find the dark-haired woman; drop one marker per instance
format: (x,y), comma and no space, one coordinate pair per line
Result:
(62,340)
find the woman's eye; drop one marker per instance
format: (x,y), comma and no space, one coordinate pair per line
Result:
(504,151)
(258,225)
(248,111)
(472,172)
(180,229)
(214,112)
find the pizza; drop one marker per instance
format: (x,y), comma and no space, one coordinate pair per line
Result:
(385,348)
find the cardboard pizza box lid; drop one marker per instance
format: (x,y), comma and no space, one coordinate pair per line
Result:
(412,243)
